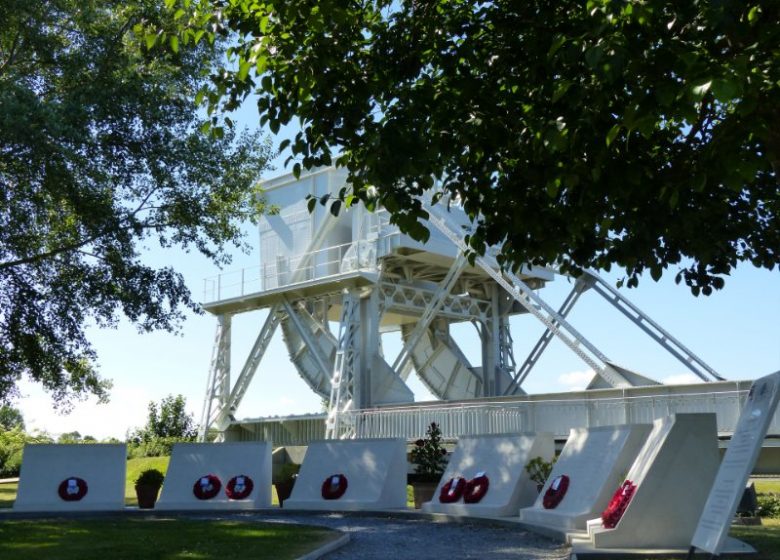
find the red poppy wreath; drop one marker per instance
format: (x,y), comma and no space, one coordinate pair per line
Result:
(239,487)
(452,490)
(555,492)
(476,488)
(72,489)
(206,487)
(334,487)
(618,504)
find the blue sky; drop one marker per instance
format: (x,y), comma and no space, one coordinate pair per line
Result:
(735,330)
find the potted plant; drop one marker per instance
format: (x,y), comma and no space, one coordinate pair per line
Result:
(284,480)
(539,471)
(147,486)
(429,459)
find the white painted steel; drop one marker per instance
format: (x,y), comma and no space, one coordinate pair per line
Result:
(558,414)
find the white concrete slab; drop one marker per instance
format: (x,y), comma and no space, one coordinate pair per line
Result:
(375,470)
(596,461)
(502,457)
(192,461)
(673,474)
(45,466)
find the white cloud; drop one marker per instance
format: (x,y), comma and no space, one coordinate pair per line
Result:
(682,379)
(576,380)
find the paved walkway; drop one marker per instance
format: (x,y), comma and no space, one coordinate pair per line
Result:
(378,537)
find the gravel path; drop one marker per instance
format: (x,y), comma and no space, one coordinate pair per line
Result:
(398,538)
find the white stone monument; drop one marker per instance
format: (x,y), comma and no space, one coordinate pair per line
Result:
(672,474)
(72,477)
(502,459)
(204,476)
(372,476)
(595,460)
(745,445)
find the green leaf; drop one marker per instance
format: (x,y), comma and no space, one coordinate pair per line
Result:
(612,134)
(725,89)
(170,3)
(150,39)
(243,69)
(174,41)
(297,170)
(561,89)
(753,14)
(699,91)
(335,207)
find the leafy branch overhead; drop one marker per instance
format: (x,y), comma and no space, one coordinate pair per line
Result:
(579,134)
(102,155)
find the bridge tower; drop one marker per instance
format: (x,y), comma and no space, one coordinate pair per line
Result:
(357,269)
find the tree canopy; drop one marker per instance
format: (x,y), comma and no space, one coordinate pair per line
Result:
(169,419)
(102,154)
(578,134)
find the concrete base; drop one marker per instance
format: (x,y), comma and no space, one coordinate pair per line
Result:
(191,461)
(44,467)
(502,457)
(673,473)
(595,460)
(583,549)
(375,470)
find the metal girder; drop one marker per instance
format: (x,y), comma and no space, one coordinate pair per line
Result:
(429,313)
(414,297)
(651,328)
(343,386)
(218,382)
(524,295)
(582,284)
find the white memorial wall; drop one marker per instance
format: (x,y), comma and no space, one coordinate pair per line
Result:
(502,459)
(348,475)
(672,474)
(595,462)
(72,477)
(217,476)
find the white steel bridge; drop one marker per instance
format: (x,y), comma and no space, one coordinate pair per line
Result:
(358,270)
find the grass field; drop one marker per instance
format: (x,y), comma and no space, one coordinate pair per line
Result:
(765,538)
(766,486)
(157,539)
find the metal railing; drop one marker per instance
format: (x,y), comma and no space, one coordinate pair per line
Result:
(556,416)
(323,263)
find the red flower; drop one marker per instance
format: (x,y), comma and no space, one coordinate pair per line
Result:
(72,489)
(419,443)
(239,487)
(618,504)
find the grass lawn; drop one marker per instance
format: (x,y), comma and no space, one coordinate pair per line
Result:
(134,468)
(766,486)
(764,538)
(8,494)
(157,539)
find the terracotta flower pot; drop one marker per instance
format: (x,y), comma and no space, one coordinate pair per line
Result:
(147,495)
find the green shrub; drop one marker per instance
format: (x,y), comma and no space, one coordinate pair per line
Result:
(539,470)
(769,505)
(155,447)
(12,444)
(150,477)
(429,456)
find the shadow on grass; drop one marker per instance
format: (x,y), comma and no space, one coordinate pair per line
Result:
(157,539)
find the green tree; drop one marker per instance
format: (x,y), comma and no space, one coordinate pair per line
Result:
(578,134)
(10,418)
(169,419)
(101,155)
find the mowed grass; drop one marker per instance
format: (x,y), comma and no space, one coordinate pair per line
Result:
(765,538)
(766,485)
(157,539)
(8,494)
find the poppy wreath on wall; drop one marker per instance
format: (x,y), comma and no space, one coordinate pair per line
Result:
(206,487)
(476,488)
(239,487)
(72,489)
(618,504)
(334,487)
(555,492)
(452,490)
